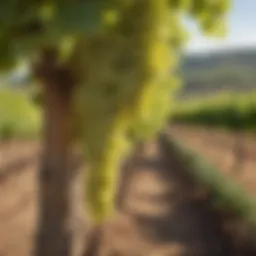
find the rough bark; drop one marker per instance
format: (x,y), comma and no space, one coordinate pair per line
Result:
(56,180)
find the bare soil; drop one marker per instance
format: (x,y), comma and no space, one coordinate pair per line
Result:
(160,213)
(232,153)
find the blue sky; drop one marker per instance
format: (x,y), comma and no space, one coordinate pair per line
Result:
(242,30)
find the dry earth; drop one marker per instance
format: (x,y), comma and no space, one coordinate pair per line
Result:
(232,153)
(159,213)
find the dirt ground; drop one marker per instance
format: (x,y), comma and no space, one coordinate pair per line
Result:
(159,213)
(232,153)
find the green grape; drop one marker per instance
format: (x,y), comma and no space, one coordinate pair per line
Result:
(211,15)
(178,36)
(197,7)
(152,43)
(218,6)
(214,27)
(102,120)
(104,154)
(104,146)
(180,4)
(156,110)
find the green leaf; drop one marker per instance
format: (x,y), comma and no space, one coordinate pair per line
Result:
(81,18)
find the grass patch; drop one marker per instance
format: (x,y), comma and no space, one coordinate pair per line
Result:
(226,194)
(231,111)
(19,117)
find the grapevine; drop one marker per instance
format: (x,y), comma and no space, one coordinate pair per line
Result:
(123,55)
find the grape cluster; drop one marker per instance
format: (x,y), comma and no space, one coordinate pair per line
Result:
(124,91)
(102,121)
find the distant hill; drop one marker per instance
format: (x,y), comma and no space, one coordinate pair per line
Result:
(229,70)
(233,70)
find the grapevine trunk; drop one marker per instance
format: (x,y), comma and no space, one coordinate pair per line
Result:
(56,211)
